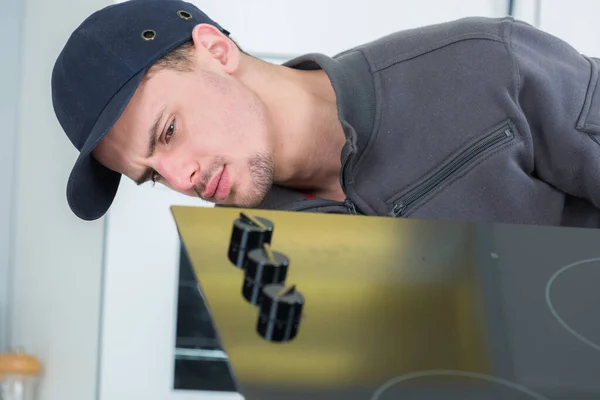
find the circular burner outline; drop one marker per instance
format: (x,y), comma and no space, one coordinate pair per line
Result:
(553,311)
(421,374)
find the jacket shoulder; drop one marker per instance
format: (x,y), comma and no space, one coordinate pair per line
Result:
(407,44)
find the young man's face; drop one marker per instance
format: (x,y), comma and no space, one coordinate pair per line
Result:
(211,135)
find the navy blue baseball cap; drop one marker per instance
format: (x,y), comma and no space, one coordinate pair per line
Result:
(96,75)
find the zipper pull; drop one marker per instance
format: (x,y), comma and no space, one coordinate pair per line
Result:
(350,206)
(397,210)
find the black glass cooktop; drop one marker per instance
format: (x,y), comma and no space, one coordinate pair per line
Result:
(398,309)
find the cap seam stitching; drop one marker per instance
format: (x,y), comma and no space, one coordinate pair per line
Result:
(107,49)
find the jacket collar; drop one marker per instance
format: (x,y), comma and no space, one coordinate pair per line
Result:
(352,81)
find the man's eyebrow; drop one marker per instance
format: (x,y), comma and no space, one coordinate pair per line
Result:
(152,138)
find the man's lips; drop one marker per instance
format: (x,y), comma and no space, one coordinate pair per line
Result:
(213,185)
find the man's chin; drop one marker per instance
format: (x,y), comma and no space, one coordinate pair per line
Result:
(234,200)
(250,201)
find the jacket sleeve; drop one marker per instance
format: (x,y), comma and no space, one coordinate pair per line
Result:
(559,94)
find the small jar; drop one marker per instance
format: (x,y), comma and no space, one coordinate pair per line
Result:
(19,374)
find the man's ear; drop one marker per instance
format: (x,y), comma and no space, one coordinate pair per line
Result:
(210,42)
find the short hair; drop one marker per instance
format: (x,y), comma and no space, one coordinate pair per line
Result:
(181,58)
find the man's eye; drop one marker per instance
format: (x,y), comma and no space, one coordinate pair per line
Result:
(170,131)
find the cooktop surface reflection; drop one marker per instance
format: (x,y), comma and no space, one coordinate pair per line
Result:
(381,308)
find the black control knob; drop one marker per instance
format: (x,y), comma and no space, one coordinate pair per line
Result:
(263,267)
(280,313)
(248,233)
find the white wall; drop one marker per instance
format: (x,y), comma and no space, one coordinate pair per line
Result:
(330,26)
(57,258)
(10,23)
(575,21)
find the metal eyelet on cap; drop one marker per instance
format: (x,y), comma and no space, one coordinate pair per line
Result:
(184,14)
(148,34)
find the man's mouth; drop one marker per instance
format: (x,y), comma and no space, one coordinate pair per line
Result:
(213,185)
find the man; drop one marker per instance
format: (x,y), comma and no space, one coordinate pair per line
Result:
(474,120)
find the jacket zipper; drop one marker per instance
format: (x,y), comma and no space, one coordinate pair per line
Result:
(350,206)
(310,204)
(347,202)
(399,208)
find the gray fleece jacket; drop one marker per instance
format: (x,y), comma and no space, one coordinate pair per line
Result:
(481,120)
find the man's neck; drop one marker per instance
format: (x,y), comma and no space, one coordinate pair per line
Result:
(308,135)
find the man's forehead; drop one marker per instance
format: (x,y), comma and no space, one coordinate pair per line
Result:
(128,139)
(140,114)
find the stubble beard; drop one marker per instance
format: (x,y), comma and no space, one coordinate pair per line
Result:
(261,168)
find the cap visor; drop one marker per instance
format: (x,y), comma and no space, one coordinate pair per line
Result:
(91,187)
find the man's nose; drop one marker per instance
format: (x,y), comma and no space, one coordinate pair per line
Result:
(181,175)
